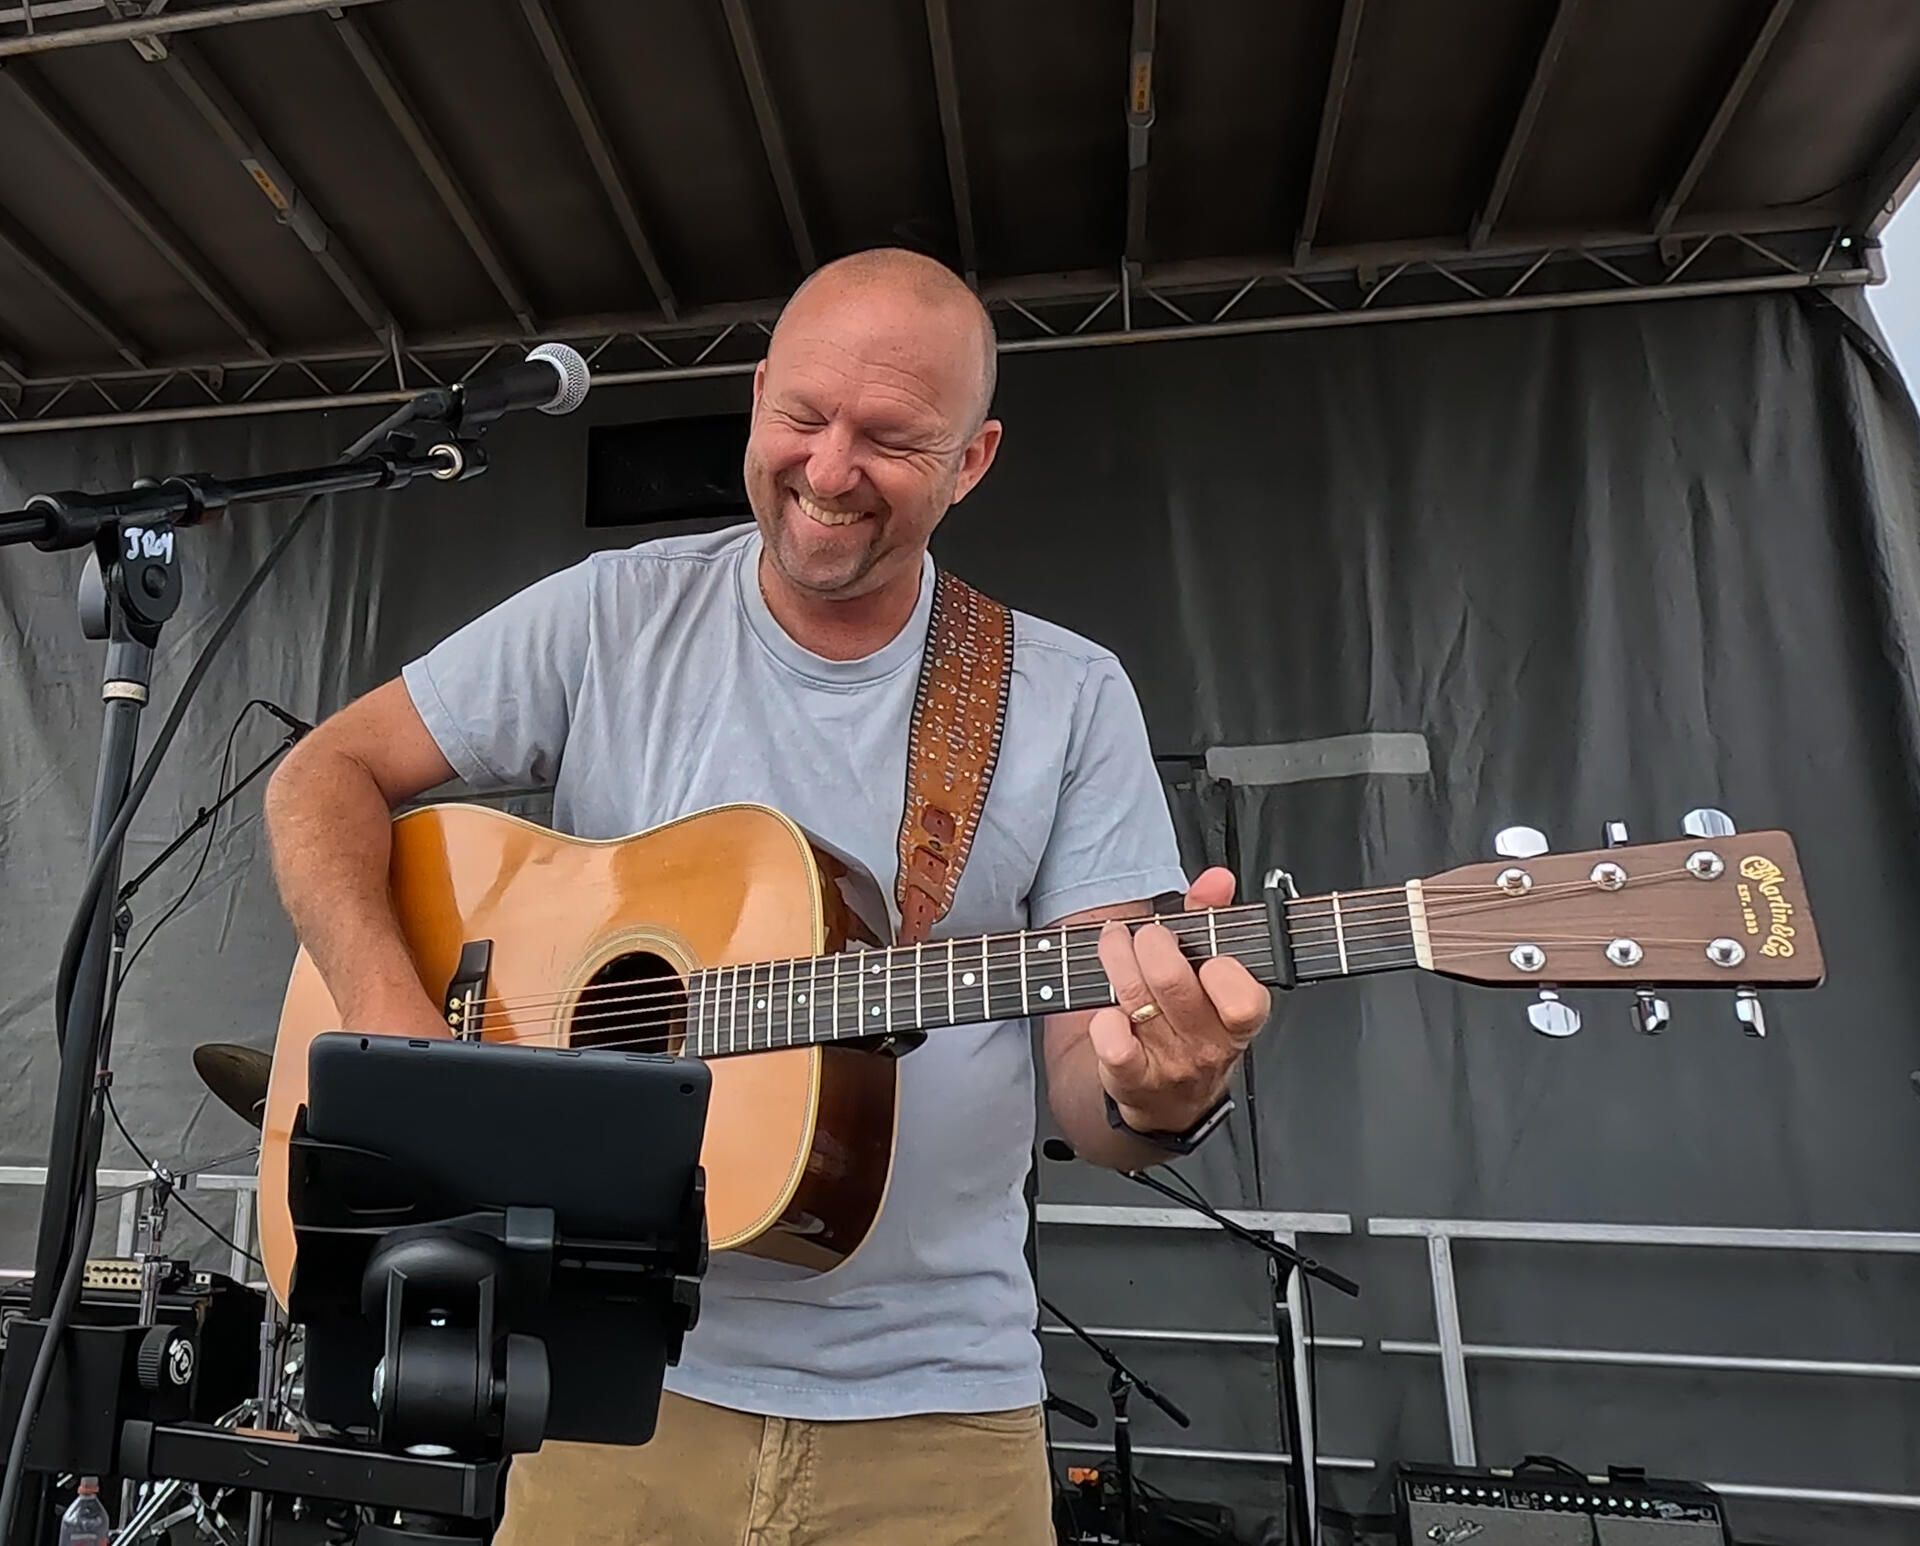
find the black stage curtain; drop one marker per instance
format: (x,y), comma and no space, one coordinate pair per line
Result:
(1598,563)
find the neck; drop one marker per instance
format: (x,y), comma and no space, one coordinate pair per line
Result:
(877,995)
(840,627)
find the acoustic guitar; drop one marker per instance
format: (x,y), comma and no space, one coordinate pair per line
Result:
(734,937)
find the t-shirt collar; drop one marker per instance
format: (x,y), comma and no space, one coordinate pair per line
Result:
(883,662)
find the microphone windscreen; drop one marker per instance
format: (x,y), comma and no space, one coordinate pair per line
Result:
(575,378)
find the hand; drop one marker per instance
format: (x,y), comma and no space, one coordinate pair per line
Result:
(1166,1073)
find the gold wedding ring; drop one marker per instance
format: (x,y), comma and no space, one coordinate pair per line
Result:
(1144,1013)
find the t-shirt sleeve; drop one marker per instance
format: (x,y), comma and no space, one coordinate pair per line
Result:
(1112,838)
(499,696)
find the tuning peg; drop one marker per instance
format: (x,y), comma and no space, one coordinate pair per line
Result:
(1614,835)
(1707,822)
(1747,1010)
(1551,1017)
(1651,1014)
(1520,842)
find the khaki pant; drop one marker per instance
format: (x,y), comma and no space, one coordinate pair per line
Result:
(714,1477)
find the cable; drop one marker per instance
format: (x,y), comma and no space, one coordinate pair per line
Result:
(116,834)
(56,1329)
(206,852)
(185,1206)
(82,925)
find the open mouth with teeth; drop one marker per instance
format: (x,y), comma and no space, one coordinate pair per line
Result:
(826,515)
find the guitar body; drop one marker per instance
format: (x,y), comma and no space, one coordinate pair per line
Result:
(587,943)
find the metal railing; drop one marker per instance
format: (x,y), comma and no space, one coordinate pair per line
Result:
(1284,1227)
(1455,1353)
(130,1187)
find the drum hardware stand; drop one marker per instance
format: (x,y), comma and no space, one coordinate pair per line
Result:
(1121,1384)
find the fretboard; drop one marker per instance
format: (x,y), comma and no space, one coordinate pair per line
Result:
(872,994)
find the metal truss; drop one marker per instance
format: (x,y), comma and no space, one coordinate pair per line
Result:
(1174,301)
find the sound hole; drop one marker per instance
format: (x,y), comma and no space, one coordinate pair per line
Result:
(636,1001)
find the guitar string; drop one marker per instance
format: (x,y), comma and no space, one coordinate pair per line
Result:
(1306,956)
(1244,929)
(720,1042)
(897,982)
(764,997)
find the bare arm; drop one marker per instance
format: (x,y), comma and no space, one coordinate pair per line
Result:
(1074,1094)
(329,808)
(1168,1072)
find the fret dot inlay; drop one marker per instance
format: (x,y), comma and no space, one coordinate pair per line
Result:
(1046,990)
(967,978)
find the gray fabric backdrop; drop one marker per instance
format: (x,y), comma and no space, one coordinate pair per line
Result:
(1615,562)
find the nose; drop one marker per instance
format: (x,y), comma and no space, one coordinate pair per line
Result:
(831,468)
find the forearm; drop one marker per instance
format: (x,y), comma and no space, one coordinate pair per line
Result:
(330,831)
(1075,1097)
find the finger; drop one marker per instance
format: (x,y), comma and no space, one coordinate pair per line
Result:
(1169,979)
(1117,957)
(1238,998)
(1213,888)
(1117,1048)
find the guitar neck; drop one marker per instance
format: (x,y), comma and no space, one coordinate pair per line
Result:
(873,994)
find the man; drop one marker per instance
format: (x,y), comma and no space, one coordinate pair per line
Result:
(896,1398)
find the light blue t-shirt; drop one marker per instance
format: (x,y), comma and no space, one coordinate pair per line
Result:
(648,684)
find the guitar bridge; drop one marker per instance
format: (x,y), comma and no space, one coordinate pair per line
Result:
(465,1001)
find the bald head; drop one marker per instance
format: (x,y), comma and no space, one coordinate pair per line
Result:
(869,422)
(899,281)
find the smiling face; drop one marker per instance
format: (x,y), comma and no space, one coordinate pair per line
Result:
(867,424)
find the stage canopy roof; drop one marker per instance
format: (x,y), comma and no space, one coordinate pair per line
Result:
(211,208)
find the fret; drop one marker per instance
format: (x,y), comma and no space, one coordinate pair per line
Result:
(888,990)
(835,1029)
(986,991)
(1020,944)
(919,1014)
(733,1005)
(1213,931)
(791,965)
(859,997)
(1066,971)
(696,1005)
(1339,930)
(952,1018)
(813,991)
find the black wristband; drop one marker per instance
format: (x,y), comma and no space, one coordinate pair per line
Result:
(1173,1143)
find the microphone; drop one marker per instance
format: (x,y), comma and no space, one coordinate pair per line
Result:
(552,378)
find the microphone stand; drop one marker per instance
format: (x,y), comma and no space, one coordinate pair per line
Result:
(1282,1261)
(131,585)
(1121,1384)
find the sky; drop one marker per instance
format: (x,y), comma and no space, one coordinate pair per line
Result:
(1897,302)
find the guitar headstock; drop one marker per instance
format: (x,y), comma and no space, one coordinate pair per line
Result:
(1703,912)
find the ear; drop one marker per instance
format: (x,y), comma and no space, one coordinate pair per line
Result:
(759,383)
(977,458)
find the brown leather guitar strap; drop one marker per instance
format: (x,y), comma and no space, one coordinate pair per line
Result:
(959,714)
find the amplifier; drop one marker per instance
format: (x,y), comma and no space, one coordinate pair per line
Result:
(1543,1506)
(224,1317)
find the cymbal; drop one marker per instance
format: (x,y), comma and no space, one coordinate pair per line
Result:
(238,1077)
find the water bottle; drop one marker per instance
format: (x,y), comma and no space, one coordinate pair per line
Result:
(85,1522)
